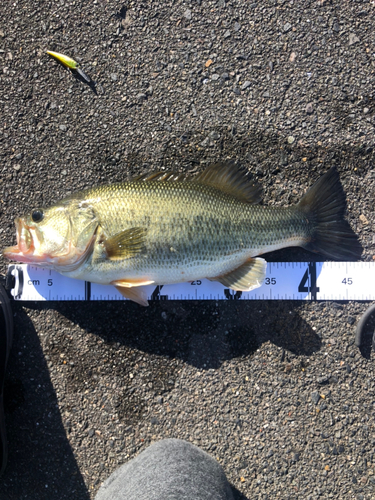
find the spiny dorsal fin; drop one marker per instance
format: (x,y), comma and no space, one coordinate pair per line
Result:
(231,179)
(161,176)
(226,176)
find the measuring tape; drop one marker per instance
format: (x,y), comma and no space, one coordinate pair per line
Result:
(284,281)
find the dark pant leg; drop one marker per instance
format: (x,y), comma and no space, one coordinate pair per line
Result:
(170,469)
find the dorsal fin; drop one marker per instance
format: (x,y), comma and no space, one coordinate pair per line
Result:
(168,175)
(231,179)
(226,176)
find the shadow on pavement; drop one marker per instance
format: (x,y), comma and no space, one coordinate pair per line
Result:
(201,334)
(41,463)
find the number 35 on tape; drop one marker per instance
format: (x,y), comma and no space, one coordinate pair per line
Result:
(284,281)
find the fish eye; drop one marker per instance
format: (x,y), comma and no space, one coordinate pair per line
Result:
(37,215)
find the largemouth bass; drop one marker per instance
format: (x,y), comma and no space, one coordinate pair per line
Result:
(167,228)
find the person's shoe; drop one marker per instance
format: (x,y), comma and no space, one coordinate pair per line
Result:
(6,333)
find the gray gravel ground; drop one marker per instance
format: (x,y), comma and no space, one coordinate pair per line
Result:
(277,392)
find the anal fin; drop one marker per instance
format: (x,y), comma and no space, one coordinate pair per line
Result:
(248,276)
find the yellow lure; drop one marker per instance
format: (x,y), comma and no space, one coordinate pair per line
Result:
(65,60)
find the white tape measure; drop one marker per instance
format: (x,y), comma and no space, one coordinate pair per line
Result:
(284,281)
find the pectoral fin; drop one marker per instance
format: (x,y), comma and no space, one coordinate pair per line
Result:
(125,244)
(248,276)
(137,295)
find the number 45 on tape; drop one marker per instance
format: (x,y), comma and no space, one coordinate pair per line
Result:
(284,281)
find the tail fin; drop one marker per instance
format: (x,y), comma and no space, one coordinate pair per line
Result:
(324,206)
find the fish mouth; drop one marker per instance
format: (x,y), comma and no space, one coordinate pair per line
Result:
(24,251)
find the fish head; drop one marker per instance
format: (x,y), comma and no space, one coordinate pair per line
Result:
(58,237)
